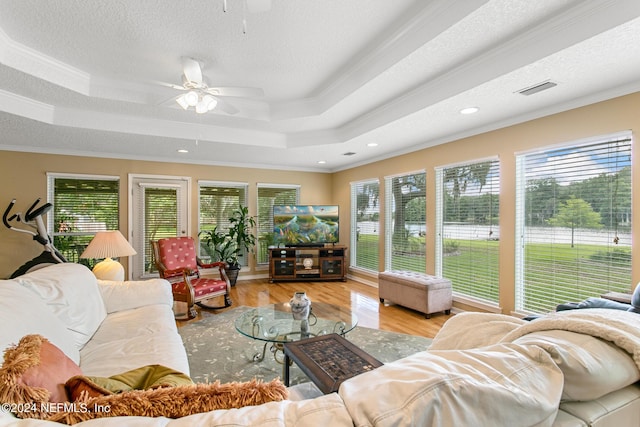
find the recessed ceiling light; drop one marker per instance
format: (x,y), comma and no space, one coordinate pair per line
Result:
(182,150)
(469,110)
(322,162)
(372,144)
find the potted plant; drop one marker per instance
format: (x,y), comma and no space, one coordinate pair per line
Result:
(229,246)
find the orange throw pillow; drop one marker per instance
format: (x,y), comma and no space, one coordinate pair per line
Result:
(35,368)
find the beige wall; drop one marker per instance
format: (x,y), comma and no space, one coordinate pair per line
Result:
(23,177)
(603,118)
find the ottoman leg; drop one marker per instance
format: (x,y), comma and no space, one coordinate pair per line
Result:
(382,300)
(427,316)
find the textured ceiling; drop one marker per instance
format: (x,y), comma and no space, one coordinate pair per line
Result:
(91,78)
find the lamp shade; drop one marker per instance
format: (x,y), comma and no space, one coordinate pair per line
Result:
(108,244)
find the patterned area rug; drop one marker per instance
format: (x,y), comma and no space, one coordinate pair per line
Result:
(218,352)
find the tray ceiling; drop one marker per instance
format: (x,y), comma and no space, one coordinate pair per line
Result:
(92,78)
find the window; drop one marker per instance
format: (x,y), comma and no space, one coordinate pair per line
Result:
(574,219)
(405,226)
(268,196)
(82,206)
(365,216)
(217,201)
(467,244)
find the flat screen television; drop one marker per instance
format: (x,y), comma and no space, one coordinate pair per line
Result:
(306,225)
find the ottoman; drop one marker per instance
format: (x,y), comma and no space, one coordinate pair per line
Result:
(418,291)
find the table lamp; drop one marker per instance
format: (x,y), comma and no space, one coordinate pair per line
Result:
(107,245)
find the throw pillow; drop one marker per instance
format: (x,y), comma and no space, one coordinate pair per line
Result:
(174,402)
(35,371)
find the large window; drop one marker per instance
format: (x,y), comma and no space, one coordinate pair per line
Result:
(268,196)
(82,206)
(405,222)
(574,221)
(467,228)
(365,226)
(217,201)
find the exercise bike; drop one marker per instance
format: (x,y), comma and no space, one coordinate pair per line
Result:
(33,219)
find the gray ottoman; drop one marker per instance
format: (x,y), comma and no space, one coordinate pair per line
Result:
(418,291)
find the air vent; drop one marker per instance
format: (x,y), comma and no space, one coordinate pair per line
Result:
(537,88)
(349,153)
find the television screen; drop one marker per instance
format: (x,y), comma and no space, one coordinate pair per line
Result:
(299,225)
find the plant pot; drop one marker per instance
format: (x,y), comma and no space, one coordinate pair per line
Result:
(232,273)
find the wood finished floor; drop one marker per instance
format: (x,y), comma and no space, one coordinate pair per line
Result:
(359,298)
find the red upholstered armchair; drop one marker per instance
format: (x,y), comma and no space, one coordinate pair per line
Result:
(176,261)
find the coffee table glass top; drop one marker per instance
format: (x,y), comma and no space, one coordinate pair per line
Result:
(275,323)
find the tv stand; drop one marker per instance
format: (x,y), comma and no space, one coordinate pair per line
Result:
(307,263)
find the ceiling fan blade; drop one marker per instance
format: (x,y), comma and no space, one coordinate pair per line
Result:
(238,92)
(226,107)
(171,85)
(258,6)
(192,71)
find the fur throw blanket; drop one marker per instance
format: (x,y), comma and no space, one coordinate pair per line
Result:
(474,330)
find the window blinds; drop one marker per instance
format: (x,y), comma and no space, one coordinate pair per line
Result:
(365,227)
(467,227)
(405,222)
(268,196)
(82,206)
(574,221)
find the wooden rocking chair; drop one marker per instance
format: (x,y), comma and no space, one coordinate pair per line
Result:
(176,261)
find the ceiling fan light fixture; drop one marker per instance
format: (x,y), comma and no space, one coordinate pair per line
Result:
(210,102)
(191,98)
(182,101)
(201,107)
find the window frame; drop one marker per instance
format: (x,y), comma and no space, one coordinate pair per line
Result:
(476,251)
(242,187)
(51,217)
(355,232)
(585,148)
(392,262)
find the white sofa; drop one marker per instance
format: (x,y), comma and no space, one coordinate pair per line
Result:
(110,327)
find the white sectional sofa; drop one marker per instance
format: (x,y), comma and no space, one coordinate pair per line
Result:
(110,327)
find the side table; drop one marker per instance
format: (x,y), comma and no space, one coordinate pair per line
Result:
(328,360)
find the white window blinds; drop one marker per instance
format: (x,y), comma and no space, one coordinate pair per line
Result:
(268,196)
(468,229)
(573,220)
(217,201)
(405,222)
(82,206)
(365,226)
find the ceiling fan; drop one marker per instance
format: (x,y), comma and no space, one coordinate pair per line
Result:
(202,97)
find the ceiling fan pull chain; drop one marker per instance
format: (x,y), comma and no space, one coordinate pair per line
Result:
(224,6)
(244,17)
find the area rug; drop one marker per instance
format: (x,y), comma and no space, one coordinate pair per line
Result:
(217,351)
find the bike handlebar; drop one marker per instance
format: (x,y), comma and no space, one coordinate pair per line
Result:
(33,214)
(6,213)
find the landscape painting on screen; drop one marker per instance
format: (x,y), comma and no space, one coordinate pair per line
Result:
(300,225)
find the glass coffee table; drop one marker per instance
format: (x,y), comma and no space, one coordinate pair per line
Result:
(275,325)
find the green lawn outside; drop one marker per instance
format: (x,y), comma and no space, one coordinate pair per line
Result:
(573,273)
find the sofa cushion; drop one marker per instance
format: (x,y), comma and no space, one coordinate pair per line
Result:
(27,314)
(71,292)
(591,366)
(128,339)
(500,385)
(127,295)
